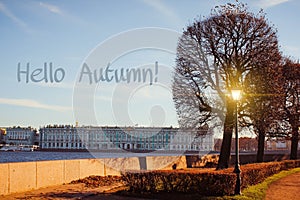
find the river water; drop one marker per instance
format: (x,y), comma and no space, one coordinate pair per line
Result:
(21,156)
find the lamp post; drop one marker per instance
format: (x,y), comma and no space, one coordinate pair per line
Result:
(236,96)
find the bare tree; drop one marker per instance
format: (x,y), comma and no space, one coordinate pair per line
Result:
(196,85)
(216,54)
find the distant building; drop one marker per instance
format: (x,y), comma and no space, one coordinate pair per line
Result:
(250,144)
(2,134)
(129,138)
(279,144)
(245,144)
(20,136)
(36,140)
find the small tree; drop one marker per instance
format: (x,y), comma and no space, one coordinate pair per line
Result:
(291,73)
(263,102)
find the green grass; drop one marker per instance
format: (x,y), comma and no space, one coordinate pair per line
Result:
(258,191)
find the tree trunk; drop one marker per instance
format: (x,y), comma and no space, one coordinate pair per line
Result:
(261,146)
(295,139)
(227,137)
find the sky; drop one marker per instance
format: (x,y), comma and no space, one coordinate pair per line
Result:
(45,44)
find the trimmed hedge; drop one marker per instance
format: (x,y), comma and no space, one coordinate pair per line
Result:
(253,174)
(202,182)
(209,183)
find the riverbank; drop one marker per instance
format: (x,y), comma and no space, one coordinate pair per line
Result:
(26,176)
(284,188)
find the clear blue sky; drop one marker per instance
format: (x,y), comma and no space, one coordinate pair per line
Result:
(64,32)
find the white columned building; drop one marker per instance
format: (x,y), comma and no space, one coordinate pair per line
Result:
(127,138)
(20,136)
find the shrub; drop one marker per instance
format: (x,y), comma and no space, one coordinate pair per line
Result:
(98,181)
(208,183)
(253,174)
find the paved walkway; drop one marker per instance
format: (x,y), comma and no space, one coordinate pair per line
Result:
(287,188)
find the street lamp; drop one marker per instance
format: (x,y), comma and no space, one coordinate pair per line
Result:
(236,96)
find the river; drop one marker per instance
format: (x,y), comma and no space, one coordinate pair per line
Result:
(21,156)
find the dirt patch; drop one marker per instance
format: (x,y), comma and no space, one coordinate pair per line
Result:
(87,188)
(99,181)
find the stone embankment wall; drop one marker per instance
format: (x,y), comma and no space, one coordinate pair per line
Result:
(24,176)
